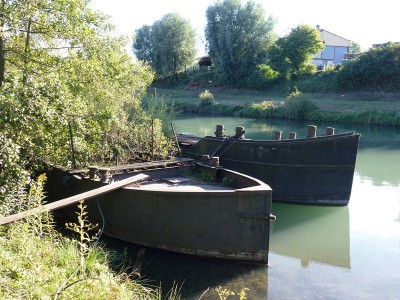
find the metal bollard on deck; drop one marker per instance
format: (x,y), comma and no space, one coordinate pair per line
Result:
(311,131)
(93,172)
(219,131)
(239,132)
(105,175)
(292,135)
(278,135)
(329,131)
(215,161)
(205,159)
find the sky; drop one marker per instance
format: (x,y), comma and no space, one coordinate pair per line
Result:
(364,22)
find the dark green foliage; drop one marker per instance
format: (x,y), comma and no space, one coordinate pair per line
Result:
(378,68)
(321,82)
(263,77)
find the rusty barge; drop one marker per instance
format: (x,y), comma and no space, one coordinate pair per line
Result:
(312,170)
(228,216)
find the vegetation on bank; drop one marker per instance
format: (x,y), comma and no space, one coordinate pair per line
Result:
(363,91)
(39,263)
(298,106)
(63,71)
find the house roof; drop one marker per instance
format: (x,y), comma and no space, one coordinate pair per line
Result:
(331,39)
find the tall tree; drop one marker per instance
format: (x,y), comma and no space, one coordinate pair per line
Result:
(238,37)
(169,45)
(63,64)
(292,53)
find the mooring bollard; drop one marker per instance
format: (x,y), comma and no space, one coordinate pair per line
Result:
(219,131)
(329,131)
(312,131)
(292,135)
(215,161)
(239,134)
(205,159)
(105,175)
(278,135)
(92,171)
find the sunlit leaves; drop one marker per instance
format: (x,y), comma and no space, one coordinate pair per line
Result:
(168,45)
(292,53)
(238,37)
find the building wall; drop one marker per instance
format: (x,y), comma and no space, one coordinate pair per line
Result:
(335,49)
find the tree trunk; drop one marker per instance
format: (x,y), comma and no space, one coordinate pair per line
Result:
(176,73)
(26,53)
(2,60)
(2,44)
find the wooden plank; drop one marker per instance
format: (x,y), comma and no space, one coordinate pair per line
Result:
(141,165)
(73,199)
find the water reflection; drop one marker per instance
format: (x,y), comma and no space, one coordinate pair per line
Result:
(381,170)
(312,234)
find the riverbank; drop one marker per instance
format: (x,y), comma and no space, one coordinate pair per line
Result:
(372,108)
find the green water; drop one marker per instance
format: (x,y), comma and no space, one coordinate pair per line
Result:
(348,252)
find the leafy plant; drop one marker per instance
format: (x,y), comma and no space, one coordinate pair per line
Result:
(299,105)
(206,97)
(83,228)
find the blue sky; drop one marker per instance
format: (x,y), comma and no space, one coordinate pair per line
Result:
(365,22)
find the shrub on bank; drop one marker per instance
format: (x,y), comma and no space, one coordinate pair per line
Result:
(299,105)
(38,263)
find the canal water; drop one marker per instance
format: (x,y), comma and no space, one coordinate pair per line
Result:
(350,252)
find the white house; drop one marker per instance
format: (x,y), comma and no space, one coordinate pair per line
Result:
(336,48)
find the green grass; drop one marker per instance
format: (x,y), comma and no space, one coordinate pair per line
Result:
(48,267)
(343,102)
(361,107)
(36,262)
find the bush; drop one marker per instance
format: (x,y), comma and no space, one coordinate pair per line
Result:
(206,96)
(263,77)
(299,105)
(206,100)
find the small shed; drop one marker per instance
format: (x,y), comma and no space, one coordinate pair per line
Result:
(204,61)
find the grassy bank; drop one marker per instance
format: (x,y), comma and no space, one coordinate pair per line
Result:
(37,262)
(374,108)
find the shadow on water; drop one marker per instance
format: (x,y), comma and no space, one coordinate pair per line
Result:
(312,234)
(195,275)
(307,233)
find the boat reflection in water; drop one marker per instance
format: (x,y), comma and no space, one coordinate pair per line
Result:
(312,234)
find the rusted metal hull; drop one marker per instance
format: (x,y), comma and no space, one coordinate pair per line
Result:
(316,170)
(224,223)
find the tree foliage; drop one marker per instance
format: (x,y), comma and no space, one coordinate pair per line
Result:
(238,37)
(354,47)
(292,54)
(376,68)
(61,65)
(169,45)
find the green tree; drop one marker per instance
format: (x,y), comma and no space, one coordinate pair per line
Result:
(169,45)
(292,54)
(354,47)
(377,68)
(238,37)
(61,65)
